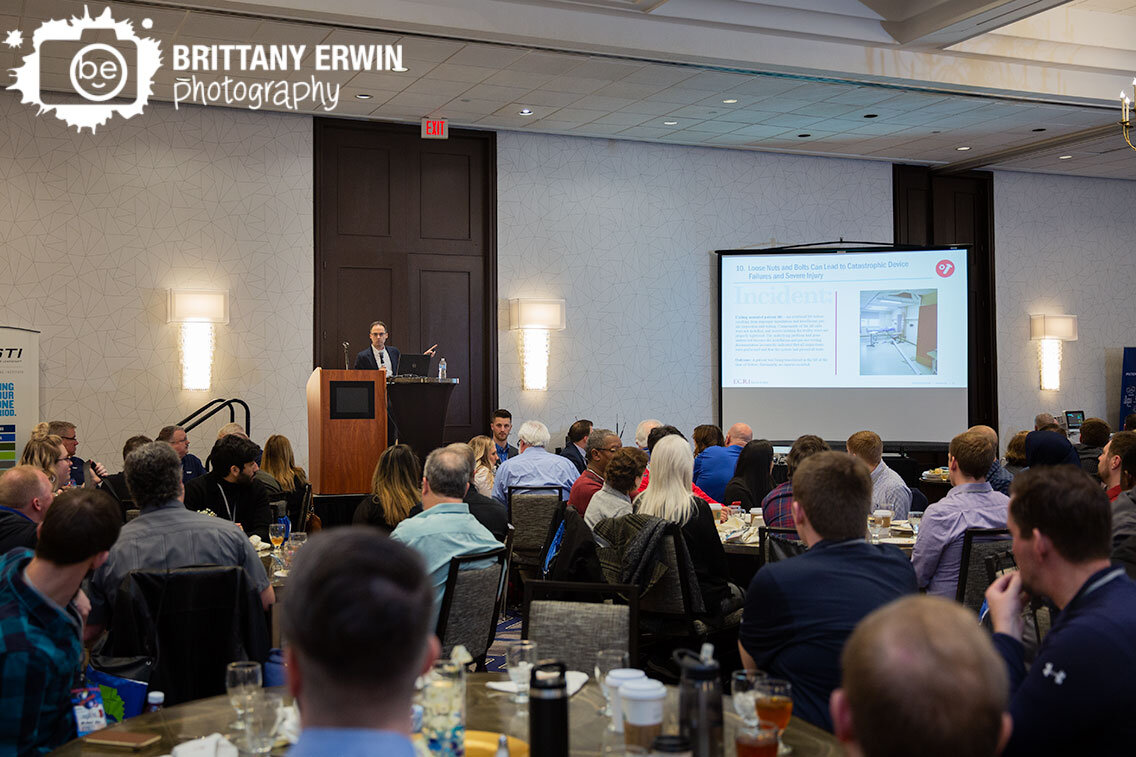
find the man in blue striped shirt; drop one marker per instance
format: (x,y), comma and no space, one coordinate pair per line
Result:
(42,613)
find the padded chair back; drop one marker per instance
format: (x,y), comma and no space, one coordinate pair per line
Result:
(776,544)
(194,622)
(977,543)
(908,469)
(669,596)
(919,501)
(567,623)
(469,603)
(532,515)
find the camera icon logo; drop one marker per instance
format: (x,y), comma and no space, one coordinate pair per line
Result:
(87,69)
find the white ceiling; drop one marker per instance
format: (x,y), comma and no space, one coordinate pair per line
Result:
(630,95)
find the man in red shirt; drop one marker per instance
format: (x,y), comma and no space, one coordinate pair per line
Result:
(602,444)
(1109,464)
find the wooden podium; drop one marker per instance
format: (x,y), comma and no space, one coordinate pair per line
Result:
(347,429)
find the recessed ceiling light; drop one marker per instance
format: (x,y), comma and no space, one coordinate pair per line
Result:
(670,123)
(1064,157)
(962,149)
(871,115)
(525,112)
(363,96)
(802,136)
(729,102)
(1038,129)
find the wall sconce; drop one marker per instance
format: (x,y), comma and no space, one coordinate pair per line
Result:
(197,310)
(534,319)
(1051,331)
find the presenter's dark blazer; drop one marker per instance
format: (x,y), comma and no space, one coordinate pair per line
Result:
(365,360)
(574,456)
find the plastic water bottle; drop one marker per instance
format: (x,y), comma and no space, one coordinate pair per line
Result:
(442,368)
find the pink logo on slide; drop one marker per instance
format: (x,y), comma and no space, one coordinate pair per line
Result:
(944,268)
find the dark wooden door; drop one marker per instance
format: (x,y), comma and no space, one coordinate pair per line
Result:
(406,234)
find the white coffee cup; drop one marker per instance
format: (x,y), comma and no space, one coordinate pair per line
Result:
(614,680)
(642,701)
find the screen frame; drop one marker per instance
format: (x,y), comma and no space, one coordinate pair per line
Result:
(854,248)
(334,386)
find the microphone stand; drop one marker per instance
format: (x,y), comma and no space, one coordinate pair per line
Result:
(346,361)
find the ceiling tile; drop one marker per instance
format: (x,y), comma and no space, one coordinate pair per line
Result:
(595,68)
(547,63)
(576,84)
(490,56)
(468,74)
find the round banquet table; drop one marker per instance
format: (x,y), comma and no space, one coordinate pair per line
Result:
(486,710)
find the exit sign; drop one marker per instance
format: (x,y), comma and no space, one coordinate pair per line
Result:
(435,128)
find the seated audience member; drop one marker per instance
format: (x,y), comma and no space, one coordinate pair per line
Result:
(396,488)
(354,596)
(1095,433)
(488,511)
(971,503)
(67,431)
(1041,420)
(714,468)
(46,452)
(1049,448)
(752,480)
(707,436)
(1016,453)
(167,535)
(1130,422)
(534,466)
(1077,697)
(42,613)
(800,611)
(1109,462)
(776,507)
(191,465)
(660,432)
(575,447)
(115,483)
(889,492)
(445,528)
(501,425)
(229,490)
(281,478)
(921,678)
(997,476)
(643,431)
(668,496)
(602,444)
(486,454)
(231,429)
(25,495)
(1124,506)
(622,477)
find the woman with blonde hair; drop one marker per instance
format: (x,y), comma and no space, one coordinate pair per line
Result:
(668,496)
(485,451)
(396,487)
(46,452)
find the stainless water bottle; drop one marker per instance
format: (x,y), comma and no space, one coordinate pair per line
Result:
(548,710)
(700,701)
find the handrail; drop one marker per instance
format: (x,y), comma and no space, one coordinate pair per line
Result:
(192,420)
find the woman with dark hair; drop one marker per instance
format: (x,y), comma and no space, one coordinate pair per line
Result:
(707,436)
(752,479)
(396,487)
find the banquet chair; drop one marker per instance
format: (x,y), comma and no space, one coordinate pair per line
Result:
(468,615)
(193,621)
(774,544)
(977,543)
(919,501)
(532,510)
(567,623)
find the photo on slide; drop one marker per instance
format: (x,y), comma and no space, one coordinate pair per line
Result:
(899,332)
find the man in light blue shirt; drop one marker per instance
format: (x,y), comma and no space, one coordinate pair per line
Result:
(445,528)
(889,492)
(535,466)
(971,503)
(714,467)
(356,621)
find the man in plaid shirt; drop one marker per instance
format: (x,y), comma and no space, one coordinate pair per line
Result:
(777,507)
(41,619)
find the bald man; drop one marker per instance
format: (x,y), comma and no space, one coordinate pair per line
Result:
(714,467)
(25,495)
(920,677)
(998,477)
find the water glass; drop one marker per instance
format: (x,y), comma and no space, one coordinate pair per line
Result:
(297,539)
(242,683)
(915,519)
(443,709)
(262,721)
(520,661)
(276,535)
(874,529)
(608,660)
(743,692)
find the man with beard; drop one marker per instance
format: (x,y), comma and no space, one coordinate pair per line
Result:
(1077,697)
(228,490)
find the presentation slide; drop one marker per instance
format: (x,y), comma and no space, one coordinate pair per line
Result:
(846,341)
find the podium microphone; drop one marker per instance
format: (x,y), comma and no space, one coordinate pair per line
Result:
(346,365)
